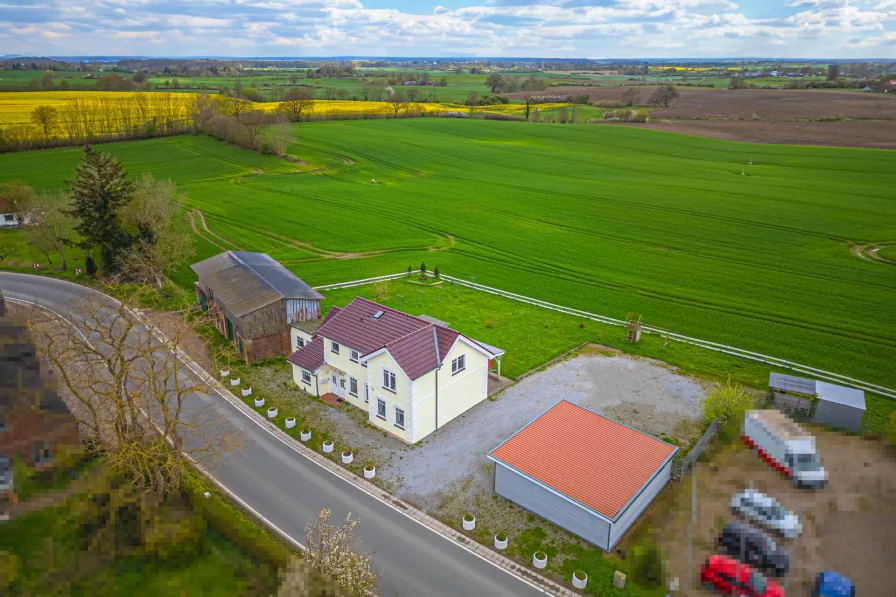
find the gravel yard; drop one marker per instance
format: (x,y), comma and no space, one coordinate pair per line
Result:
(635,391)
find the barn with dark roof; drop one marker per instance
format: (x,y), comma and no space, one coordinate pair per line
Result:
(253,300)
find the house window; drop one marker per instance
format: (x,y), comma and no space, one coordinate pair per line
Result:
(352,386)
(458,364)
(306,377)
(381,408)
(353,356)
(300,342)
(2,424)
(334,348)
(42,453)
(399,418)
(388,380)
(366,393)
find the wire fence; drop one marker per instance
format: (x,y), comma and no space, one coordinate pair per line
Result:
(682,466)
(706,344)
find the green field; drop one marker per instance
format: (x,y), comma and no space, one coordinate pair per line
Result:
(605,219)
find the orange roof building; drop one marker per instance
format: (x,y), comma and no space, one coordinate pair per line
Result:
(582,471)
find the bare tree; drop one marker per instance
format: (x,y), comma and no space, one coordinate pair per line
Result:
(51,227)
(630,96)
(254,122)
(151,216)
(664,96)
(297,103)
(46,118)
(330,93)
(413,93)
(281,134)
(397,101)
(528,102)
(294,78)
(331,549)
(19,198)
(128,391)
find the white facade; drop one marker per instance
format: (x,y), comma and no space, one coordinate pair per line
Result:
(408,409)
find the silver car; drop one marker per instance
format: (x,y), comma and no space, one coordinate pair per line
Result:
(765,511)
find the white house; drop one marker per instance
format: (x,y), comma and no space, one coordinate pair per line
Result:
(7,218)
(410,375)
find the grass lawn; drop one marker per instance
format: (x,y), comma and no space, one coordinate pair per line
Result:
(605,219)
(532,336)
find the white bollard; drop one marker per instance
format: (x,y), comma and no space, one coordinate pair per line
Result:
(328,446)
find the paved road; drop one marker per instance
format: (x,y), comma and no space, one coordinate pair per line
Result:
(289,490)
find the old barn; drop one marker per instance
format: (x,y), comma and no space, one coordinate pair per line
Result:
(253,300)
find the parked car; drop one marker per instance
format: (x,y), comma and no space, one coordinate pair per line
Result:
(752,546)
(730,577)
(831,584)
(757,507)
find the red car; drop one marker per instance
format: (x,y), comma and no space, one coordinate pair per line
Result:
(730,577)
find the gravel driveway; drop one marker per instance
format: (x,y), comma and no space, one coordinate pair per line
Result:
(635,391)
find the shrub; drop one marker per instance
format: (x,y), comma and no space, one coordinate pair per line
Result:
(9,569)
(174,538)
(490,323)
(647,565)
(540,555)
(381,291)
(468,517)
(580,574)
(501,536)
(727,403)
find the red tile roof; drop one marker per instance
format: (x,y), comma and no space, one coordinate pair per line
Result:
(594,460)
(310,357)
(410,340)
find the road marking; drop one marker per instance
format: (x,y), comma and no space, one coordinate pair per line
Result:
(189,365)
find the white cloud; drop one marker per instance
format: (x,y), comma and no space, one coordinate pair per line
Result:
(543,28)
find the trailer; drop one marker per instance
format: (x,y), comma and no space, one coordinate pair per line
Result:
(786,446)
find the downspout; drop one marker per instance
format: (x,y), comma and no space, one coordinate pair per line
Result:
(316,386)
(435,340)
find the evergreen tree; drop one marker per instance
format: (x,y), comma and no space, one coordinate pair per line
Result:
(100,188)
(422,269)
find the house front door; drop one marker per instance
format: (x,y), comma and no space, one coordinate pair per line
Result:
(337,384)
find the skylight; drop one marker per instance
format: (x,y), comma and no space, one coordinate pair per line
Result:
(378,314)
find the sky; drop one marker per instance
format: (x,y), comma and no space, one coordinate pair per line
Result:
(452,28)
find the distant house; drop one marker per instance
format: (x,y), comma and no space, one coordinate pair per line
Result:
(7,218)
(409,374)
(866,88)
(35,424)
(253,300)
(582,471)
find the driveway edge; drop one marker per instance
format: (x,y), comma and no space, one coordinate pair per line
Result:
(544,584)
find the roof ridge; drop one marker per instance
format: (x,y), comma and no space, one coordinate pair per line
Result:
(254,271)
(391,309)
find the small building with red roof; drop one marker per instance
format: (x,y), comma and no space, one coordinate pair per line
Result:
(587,473)
(410,375)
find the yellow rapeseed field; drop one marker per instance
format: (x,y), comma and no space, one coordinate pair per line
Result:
(16,107)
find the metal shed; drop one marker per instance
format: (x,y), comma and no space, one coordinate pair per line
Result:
(839,406)
(820,402)
(582,471)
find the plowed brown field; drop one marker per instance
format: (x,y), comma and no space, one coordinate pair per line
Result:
(770,116)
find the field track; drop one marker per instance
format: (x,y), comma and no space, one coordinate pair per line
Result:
(608,220)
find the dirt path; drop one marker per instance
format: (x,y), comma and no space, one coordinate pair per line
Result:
(870,253)
(196,230)
(218,236)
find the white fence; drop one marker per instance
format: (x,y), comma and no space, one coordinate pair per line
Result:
(715,346)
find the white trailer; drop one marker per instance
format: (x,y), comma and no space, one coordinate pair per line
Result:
(786,446)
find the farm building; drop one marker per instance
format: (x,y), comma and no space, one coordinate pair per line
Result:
(409,375)
(818,401)
(7,218)
(583,471)
(253,301)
